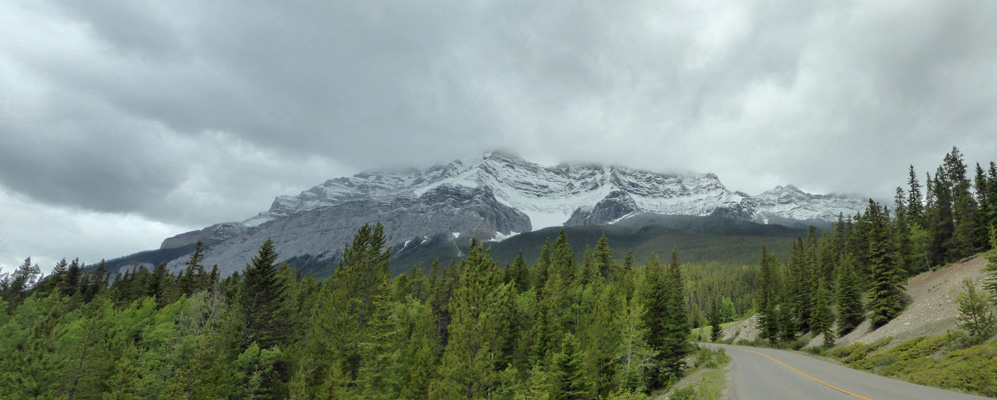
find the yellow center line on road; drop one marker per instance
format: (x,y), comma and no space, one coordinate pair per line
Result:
(808,376)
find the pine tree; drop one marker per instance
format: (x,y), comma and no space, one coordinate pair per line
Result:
(983,212)
(542,269)
(195,277)
(673,343)
(964,207)
(261,298)
(799,286)
(518,274)
(358,287)
(381,370)
(634,356)
(822,319)
(257,373)
(768,295)
(902,235)
(991,268)
(88,352)
(851,313)
(71,281)
(570,381)
(506,326)
(604,258)
(467,369)
(975,316)
(915,207)
(887,298)
(940,221)
(21,280)
(563,260)
(600,332)
(992,195)
(590,269)
(714,317)
(160,285)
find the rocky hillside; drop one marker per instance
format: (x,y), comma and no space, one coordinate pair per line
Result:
(933,309)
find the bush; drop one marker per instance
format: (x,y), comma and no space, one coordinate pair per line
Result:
(685,393)
(856,352)
(818,350)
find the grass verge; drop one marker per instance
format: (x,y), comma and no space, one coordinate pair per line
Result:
(931,361)
(708,377)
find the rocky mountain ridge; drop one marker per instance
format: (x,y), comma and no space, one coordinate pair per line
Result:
(492,198)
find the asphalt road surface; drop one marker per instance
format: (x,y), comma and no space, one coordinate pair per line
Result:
(768,374)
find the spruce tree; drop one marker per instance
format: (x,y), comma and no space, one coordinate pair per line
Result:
(714,317)
(542,269)
(940,221)
(992,195)
(160,285)
(22,279)
(799,287)
(563,260)
(915,207)
(975,316)
(196,278)
(634,356)
(887,296)
(768,295)
(851,313)
(604,258)
(964,208)
(518,274)
(261,298)
(467,369)
(71,281)
(822,319)
(673,344)
(570,381)
(981,190)
(991,268)
(656,306)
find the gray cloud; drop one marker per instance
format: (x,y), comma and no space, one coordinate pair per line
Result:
(189,113)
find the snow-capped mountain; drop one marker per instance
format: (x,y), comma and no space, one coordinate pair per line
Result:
(492,198)
(549,196)
(789,202)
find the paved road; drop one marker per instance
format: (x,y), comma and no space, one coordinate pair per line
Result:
(757,373)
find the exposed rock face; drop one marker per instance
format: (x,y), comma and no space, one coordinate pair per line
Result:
(208,236)
(788,203)
(745,210)
(615,206)
(491,198)
(322,232)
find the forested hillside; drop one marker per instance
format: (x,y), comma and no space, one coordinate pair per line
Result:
(464,330)
(557,326)
(858,270)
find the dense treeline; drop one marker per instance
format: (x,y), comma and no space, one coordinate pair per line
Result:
(859,267)
(559,329)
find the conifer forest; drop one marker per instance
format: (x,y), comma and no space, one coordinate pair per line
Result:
(557,327)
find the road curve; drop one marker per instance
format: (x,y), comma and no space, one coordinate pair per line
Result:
(759,373)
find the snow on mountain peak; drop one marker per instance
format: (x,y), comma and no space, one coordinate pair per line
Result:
(550,196)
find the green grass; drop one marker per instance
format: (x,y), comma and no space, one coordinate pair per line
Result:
(929,361)
(711,381)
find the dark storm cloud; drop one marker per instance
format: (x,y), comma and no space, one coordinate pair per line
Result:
(189,113)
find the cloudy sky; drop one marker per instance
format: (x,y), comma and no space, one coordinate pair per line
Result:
(125,122)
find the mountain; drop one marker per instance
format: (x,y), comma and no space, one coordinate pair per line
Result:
(492,198)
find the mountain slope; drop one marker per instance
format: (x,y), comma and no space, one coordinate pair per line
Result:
(492,198)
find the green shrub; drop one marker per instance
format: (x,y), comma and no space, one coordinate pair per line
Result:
(685,393)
